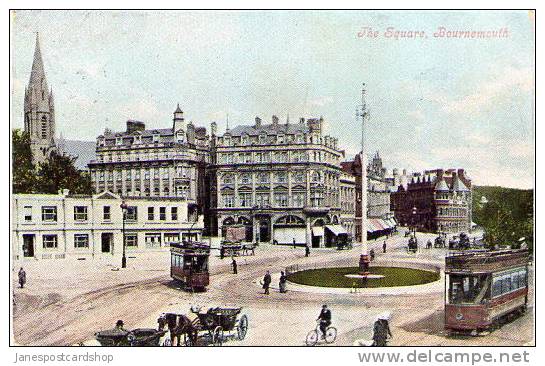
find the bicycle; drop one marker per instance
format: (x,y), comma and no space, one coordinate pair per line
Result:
(314,335)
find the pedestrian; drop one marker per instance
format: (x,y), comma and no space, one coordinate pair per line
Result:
(381,330)
(282,282)
(384,247)
(120,326)
(234,264)
(22,277)
(307,250)
(267,282)
(372,254)
(293,243)
(222,252)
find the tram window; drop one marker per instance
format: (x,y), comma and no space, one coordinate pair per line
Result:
(496,286)
(515,280)
(469,289)
(506,284)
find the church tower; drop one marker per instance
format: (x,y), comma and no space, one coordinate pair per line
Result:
(39,110)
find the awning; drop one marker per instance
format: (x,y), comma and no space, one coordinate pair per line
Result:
(336,229)
(373,226)
(318,231)
(379,224)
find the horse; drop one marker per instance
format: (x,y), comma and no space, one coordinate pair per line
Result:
(178,325)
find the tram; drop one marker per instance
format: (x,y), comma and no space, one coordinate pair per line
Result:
(189,264)
(483,288)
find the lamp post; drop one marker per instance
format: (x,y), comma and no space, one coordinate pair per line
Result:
(124,212)
(414,221)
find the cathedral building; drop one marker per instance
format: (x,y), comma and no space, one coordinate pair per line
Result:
(39,110)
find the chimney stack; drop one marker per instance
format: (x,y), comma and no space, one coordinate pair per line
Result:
(257,122)
(275,120)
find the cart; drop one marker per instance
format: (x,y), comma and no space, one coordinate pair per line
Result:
(141,337)
(216,322)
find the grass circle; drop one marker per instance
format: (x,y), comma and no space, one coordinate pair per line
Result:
(335,277)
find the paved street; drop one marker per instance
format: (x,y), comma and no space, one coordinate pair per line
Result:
(66,302)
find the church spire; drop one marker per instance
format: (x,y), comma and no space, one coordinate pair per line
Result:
(37,75)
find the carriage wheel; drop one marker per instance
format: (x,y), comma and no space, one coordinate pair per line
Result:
(242,327)
(188,340)
(167,342)
(217,336)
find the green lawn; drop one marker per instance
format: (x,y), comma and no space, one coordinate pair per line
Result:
(335,277)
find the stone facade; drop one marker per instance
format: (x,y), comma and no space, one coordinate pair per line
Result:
(378,213)
(166,163)
(39,110)
(49,226)
(281,181)
(435,201)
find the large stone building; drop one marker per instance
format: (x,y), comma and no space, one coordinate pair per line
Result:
(379,216)
(167,162)
(435,201)
(49,226)
(279,180)
(39,110)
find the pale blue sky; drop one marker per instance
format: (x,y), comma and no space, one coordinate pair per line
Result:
(434,102)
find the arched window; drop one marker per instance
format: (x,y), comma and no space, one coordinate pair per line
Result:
(228,179)
(44,127)
(245,179)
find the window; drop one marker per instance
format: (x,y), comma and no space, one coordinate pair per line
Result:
(131,213)
(172,238)
(27,213)
(156,138)
(299,177)
(80,213)
(228,179)
(280,177)
(81,240)
(298,199)
(174,213)
(50,241)
(146,173)
(245,179)
(245,199)
(262,199)
(151,213)
(263,178)
(131,240)
(162,213)
(49,213)
(129,174)
(106,213)
(152,240)
(281,200)
(119,140)
(228,200)
(44,127)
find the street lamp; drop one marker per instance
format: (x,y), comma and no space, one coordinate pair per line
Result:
(414,221)
(124,257)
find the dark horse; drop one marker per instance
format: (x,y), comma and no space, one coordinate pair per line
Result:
(178,325)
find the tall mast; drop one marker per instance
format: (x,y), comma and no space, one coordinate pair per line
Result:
(363,113)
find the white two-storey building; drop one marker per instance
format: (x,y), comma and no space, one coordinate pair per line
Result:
(49,226)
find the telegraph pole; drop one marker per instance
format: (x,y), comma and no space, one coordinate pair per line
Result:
(363,113)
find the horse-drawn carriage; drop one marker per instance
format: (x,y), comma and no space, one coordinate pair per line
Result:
(215,322)
(212,325)
(345,242)
(439,242)
(412,245)
(141,337)
(235,249)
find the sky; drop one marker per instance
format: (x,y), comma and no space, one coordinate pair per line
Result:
(434,101)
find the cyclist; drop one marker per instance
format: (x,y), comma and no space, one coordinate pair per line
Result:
(325,319)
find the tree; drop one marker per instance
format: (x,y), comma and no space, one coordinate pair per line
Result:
(59,172)
(23,170)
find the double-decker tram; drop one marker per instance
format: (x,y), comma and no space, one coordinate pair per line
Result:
(483,288)
(189,264)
